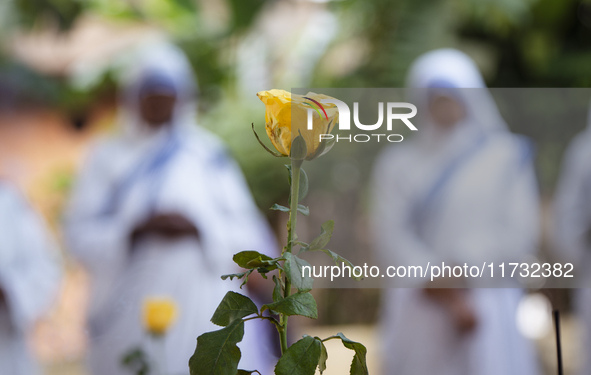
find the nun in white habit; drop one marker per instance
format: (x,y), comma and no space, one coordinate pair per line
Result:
(159,211)
(572,226)
(461,191)
(29,279)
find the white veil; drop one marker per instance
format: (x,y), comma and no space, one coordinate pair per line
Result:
(163,59)
(454,71)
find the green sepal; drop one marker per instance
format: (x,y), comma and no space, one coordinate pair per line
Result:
(325,145)
(299,149)
(274,153)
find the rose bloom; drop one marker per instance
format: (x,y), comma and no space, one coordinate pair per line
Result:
(283,107)
(158,315)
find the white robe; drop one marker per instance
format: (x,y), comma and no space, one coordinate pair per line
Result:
(200,182)
(179,168)
(572,226)
(421,338)
(29,277)
(476,193)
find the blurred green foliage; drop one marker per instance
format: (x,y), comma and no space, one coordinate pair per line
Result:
(530,42)
(517,43)
(62,12)
(244,12)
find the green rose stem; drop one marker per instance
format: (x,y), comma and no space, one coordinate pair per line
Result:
(162,364)
(217,352)
(291,230)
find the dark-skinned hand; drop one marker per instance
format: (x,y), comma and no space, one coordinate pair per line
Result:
(169,225)
(457,305)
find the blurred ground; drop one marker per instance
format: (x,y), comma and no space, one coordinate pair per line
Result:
(339,358)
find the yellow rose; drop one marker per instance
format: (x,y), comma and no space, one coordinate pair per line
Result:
(159,314)
(284,108)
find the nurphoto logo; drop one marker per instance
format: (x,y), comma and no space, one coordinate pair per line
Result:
(345,120)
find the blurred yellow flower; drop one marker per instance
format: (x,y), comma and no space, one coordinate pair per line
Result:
(159,314)
(283,108)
